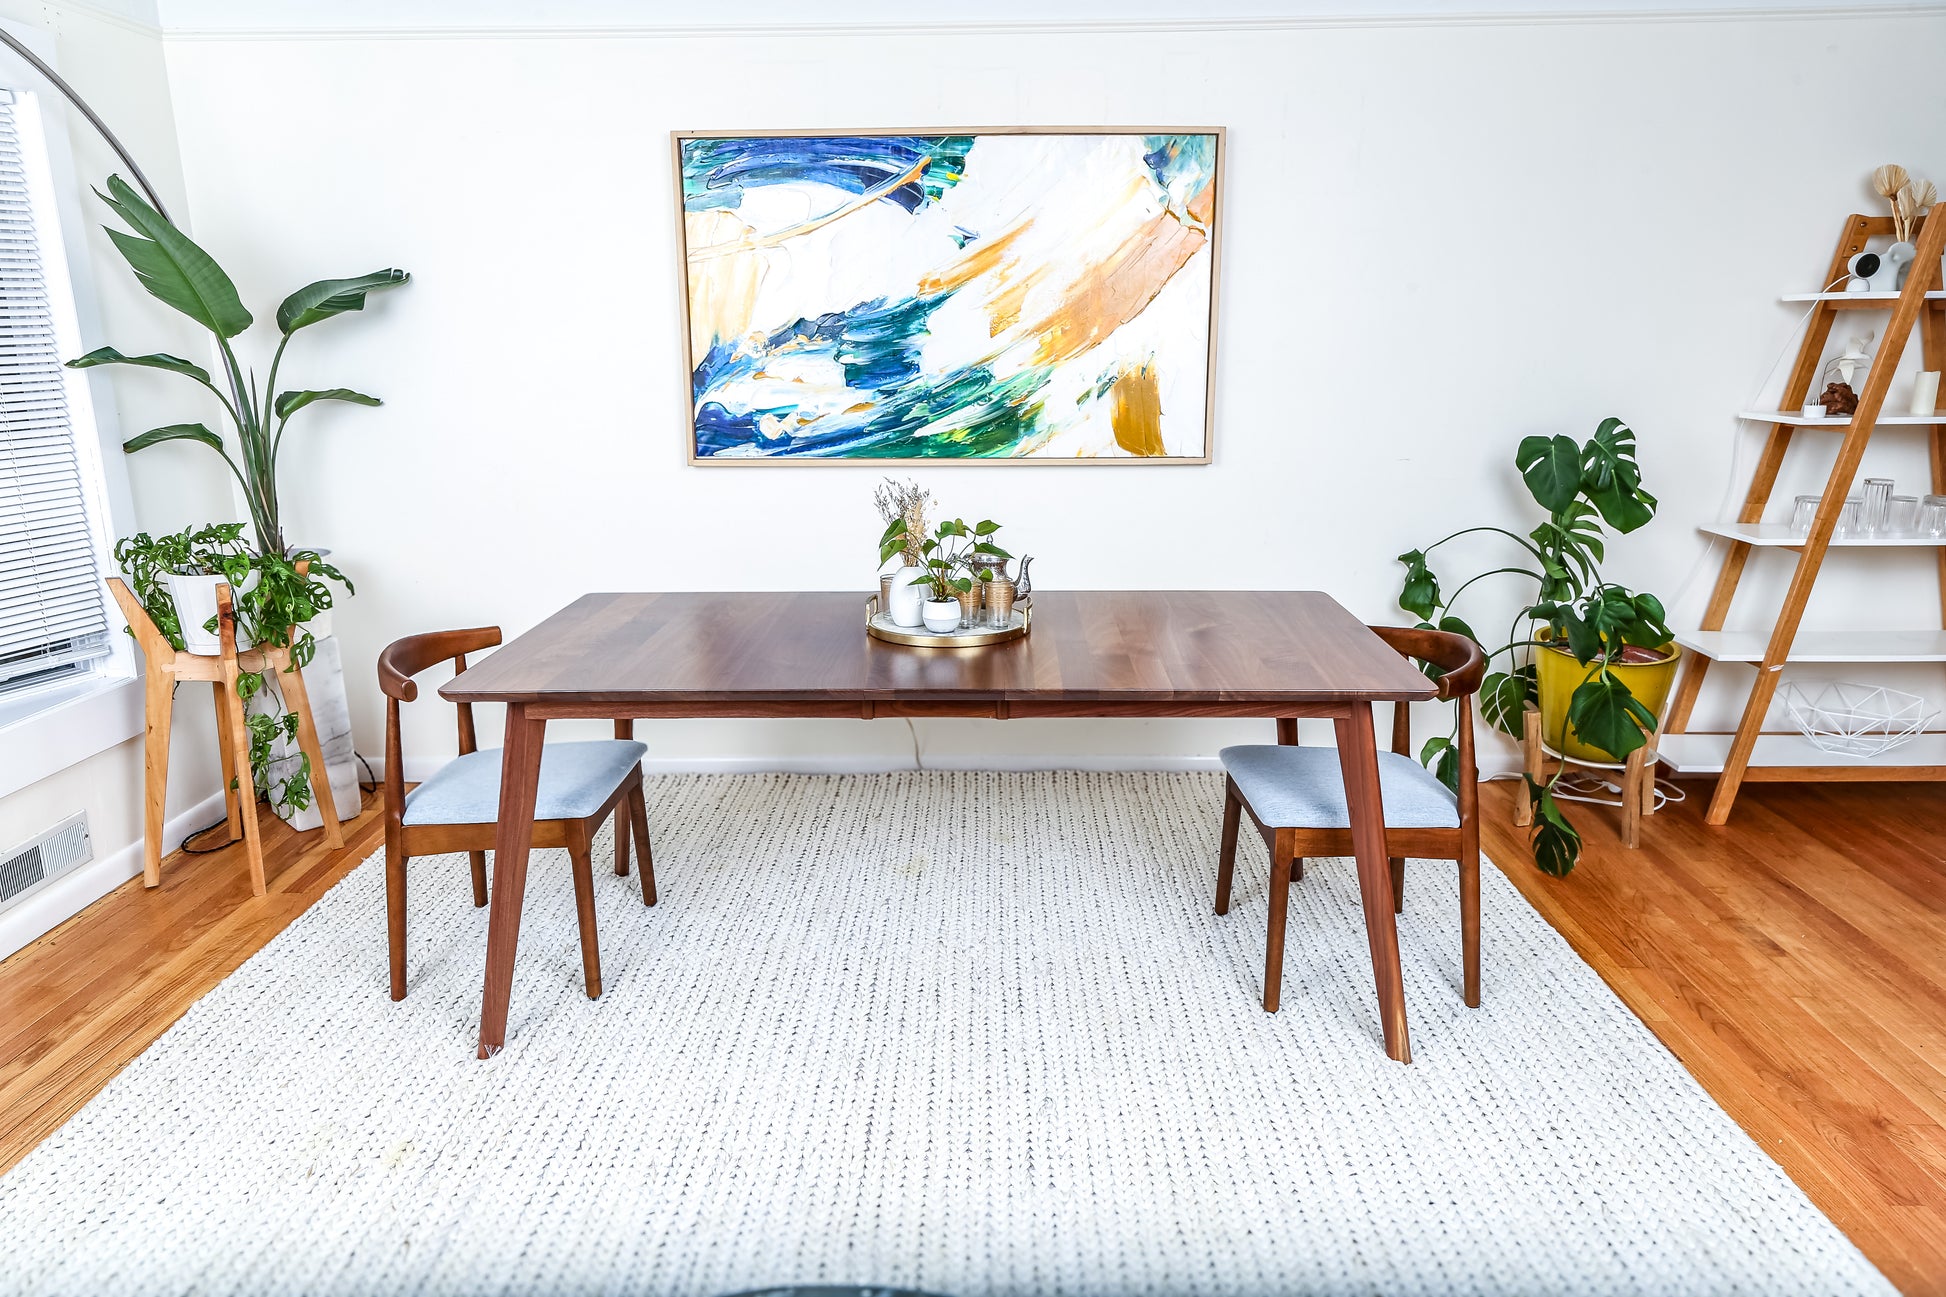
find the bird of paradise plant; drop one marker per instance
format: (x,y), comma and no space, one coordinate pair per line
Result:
(178,272)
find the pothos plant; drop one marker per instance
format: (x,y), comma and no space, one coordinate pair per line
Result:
(1581,486)
(954,548)
(273,610)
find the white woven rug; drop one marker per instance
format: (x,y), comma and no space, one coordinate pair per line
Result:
(971,1033)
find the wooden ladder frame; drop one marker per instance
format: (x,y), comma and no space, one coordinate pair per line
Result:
(167,667)
(1910,309)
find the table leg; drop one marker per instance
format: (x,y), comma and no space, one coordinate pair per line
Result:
(1358,756)
(520,773)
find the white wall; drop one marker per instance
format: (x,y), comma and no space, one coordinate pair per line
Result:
(115,61)
(1436,240)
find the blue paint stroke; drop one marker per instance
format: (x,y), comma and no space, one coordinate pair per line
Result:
(716,172)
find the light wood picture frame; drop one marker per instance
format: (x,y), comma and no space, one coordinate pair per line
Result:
(986,295)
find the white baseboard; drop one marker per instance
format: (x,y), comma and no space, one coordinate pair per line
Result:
(74,892)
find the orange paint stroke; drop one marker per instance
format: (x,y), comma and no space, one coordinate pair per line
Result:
(1135,410)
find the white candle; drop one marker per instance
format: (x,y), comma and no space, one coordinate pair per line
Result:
(1925,392)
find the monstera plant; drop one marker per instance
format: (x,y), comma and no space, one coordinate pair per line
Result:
(1572,612)
(178,272)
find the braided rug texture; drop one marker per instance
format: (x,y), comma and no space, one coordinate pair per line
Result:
(971,1033)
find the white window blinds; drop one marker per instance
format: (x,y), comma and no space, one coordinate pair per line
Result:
(52,621)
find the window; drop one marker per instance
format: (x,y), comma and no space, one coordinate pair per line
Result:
(53,623)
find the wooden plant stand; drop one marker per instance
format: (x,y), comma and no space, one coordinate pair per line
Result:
(166,668)
(1752,753)
(1635,777)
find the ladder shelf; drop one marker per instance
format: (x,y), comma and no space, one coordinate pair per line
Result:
(1751,753)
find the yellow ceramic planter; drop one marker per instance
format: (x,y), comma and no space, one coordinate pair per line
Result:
(1560,675)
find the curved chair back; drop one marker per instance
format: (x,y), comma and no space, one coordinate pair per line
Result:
(403,659)
(1461,664)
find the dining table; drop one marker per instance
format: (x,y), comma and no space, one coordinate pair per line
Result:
(1270,654)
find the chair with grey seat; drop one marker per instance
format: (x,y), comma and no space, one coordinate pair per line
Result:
(1296,798)
(458,809)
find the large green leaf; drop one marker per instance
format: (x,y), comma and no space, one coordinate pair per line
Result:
(1551,467)
(289,403)
(110,356)
(1442,758)
(1420,593)
(1503,698)
(1612,478)
(172,267)
(329,297)
(1604,713)
(1555,842)
(175,432)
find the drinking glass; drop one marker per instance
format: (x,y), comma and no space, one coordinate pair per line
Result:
(1850,518)
(1901,511)
(1931,520)
(1878,492)
(1803,512)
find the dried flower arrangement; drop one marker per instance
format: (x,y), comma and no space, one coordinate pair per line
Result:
(1908,198)
(902,507)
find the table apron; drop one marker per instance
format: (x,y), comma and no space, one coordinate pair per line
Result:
(986,709)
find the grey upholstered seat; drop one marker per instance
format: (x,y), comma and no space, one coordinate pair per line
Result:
(1304,788)
(576,778)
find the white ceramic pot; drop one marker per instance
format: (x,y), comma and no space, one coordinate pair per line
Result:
(908,597)
(195,600)
(942,615)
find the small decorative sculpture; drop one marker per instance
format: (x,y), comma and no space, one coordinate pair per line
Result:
(1838,400)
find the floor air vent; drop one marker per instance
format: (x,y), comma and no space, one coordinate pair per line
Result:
(44,859)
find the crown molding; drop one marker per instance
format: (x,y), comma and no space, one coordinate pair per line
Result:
(419,21)
(138,16)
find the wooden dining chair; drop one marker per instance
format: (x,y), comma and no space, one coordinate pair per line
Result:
(458,809)
(1296,798)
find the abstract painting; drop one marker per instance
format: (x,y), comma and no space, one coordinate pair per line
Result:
(994,296)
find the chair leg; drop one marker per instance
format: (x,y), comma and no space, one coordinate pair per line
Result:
(1398,884)
(1281,853)
(246,781)
(580,854)
(1297,870)
(159,700)
(638,809)
(395,911)
(1469,872)
(478,859)
(1226,858)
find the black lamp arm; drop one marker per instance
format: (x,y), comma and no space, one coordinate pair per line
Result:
(93,120)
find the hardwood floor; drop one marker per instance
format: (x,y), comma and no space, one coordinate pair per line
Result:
(1795,961)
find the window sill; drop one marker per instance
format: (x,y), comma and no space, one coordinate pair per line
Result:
(45,731)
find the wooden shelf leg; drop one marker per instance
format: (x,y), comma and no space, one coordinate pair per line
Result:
(158,697)
(1530,754)
(298,699)
(1632,798)
(246,775)
(226,751)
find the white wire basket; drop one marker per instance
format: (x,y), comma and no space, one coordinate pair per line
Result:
(1857,720)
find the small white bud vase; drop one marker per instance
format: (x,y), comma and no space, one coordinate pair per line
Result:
(942,615)
(909,597)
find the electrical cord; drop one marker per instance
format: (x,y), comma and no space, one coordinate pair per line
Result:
(369,784)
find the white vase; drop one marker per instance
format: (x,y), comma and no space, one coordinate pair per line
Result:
(908,596)
(942,615)
(324,682)
(195,600)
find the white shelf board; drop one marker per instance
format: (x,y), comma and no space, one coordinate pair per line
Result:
(1776,534)
(1798,419)
(1934,296)
(1821,645)
(1702,754)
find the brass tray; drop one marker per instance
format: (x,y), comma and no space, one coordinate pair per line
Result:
(880,626)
